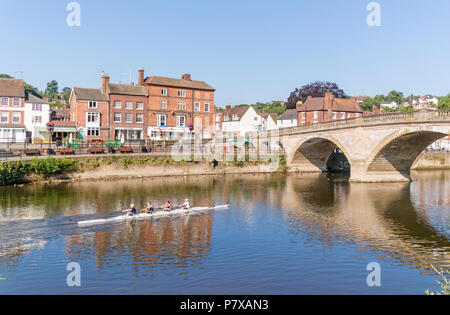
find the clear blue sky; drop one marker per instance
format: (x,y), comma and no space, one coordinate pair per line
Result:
(248,50)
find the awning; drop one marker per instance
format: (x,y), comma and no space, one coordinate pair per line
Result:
(169,129)
(57,129)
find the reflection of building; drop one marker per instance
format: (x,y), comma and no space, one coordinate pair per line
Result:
(12,110)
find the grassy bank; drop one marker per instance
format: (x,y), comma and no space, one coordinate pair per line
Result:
(20,172)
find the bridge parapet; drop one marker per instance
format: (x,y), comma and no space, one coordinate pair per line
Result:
(384,119)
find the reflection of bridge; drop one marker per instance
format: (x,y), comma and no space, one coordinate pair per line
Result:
(378,148)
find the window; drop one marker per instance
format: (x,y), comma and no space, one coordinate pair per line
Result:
(117,104)
(181,106)
(117,117)
(207,96)
(37,119)
(164,92)
(197,95)
(5,101)
(129,105)
(334,115)
(303,115)
(357,115)
(163,104)
(37,107)
(140,118)
(93,132)
(197,107)
(16,101)
(162,120)
(316,115)
(92,104)
(5,118)
(93,117)
(206,108)
(181,93)
(342,115)
(16,118)
(181,121)
(349,115)
(129,118)
(139,106)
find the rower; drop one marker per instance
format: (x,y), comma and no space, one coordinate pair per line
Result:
(132,211)
(167,206)
(150,209)
(186,205)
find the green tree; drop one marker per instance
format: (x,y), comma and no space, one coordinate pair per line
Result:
(5,76)
(52,90)
(66,94)
(395,96)
(444,103)
(368,104)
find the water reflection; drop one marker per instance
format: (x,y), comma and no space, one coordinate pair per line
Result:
(406,222)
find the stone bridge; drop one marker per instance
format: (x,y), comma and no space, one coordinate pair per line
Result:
(378,148)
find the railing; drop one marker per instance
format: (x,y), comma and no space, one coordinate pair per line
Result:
(368,120)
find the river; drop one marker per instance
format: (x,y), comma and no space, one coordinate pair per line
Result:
(290,234)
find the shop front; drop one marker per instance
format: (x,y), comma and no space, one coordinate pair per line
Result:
(167,133)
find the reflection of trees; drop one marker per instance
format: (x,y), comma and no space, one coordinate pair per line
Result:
(377,216)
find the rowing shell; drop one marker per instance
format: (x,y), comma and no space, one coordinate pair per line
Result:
(147,216)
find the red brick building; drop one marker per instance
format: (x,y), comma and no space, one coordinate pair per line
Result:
(89,111)
(12,110)
(156,108)
(328,108)
(178,105)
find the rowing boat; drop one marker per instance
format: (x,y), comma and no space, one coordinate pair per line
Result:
(146,216)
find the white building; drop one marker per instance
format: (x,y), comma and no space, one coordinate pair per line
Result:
(391,105)
(241,120)
(268,121)
(288,119)
(37,115)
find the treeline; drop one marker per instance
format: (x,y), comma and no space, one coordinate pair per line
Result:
(267,108)
(56,99)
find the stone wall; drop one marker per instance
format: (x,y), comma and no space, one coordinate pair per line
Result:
(432,161)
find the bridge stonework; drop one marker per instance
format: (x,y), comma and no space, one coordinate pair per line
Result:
(378,148)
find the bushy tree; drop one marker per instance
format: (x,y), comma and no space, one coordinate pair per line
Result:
(316,89)
(52,90)
(444,103)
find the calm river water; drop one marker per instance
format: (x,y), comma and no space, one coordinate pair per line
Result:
(282,235)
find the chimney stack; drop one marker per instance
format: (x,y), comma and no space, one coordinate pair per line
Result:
(228,108)
(329,97)
(186,77)
(141,77)
(105,83)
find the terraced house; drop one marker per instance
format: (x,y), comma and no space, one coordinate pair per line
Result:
(12,111)
(156,108)
(328,108)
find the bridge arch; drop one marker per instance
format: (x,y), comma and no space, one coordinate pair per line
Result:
(312,153)
(397,152)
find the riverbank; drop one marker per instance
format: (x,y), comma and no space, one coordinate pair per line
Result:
(433,161)
(114,167)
